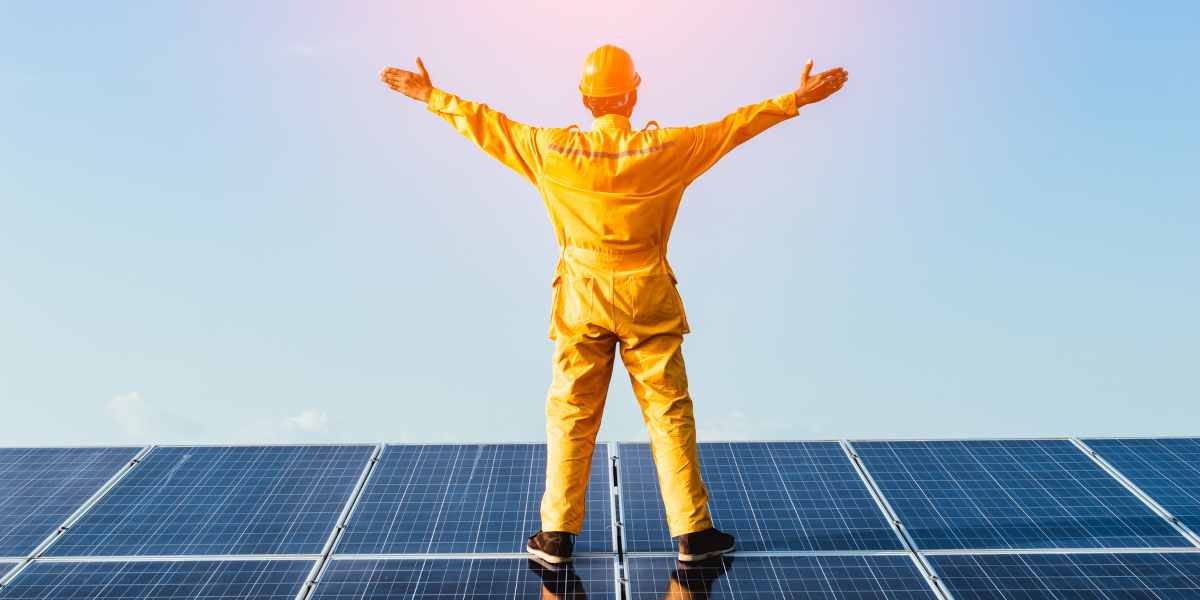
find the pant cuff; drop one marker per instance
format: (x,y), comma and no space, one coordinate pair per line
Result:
(678,529)
(567,527)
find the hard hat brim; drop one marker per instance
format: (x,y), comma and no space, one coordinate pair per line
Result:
(606,92)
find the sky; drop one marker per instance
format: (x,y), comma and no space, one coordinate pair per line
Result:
(217,225)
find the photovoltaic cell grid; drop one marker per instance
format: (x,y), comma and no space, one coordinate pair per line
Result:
(473,499)
(1065,576)
(1167,469)
(7,565)
(466,498)
(221,500)
(1010,494)
(179,580)
(890,577)
(477,579)
(771,496)
(41,487)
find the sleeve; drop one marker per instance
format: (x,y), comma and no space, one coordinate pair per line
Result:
(512,143)
(711,141)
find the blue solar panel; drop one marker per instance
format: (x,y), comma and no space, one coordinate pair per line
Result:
(221,500)
(771,496)
(176,580)
(1010,494)
(6,566)
(1069,576)
(1167,469)
(466,498)
(884,577)
(477,579)
(41,487)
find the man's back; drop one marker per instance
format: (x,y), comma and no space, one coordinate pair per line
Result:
(611,189)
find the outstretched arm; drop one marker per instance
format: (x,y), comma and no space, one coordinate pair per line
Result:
(711,141)
(510,142)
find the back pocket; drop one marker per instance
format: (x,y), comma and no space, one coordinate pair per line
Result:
(571,307)
(655,300)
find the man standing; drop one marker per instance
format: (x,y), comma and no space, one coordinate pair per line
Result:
(612,194)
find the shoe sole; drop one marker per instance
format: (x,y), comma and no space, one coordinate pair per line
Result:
(550,558)
(706,555)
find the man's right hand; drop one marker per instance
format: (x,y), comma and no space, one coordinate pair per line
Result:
(815,88)
(414,85)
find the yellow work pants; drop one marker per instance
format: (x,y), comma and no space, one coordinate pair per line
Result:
(601,303)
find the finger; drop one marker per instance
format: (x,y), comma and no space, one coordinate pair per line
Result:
(424,73)
(399,76)
(807,71)
(394,73)
(397,84)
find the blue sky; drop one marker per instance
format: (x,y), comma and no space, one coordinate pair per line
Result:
(217,225)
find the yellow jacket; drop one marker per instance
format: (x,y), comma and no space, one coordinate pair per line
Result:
(610,190)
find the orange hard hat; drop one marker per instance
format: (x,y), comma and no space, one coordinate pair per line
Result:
(608,71)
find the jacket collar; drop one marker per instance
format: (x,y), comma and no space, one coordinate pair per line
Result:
(611,121)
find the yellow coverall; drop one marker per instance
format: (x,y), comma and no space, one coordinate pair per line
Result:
(612,194)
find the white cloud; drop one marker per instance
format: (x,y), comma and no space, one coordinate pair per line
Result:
(309,420)
(130,413)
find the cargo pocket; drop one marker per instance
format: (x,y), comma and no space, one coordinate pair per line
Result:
(572,305)
(656,301)
(679,302)
(555,286)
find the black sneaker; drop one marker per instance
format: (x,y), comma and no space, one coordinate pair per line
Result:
(700,545)
(553,547)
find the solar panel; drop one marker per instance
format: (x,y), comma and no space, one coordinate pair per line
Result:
(6,565)
(477,579)
(41,487)
(221,500)
(153,580)
(1010,494)
(466,498)
(770,495)
(831,577)
(1089,575)
(1167,469)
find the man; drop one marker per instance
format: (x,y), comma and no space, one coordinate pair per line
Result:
(612,194)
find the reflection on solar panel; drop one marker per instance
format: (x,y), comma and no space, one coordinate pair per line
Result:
(1168,470)
(477,579)
(1129,575)
(221,500)
(465,498)
(41,487)
(1010,494)
(177,580)
(890,577)
(771,496)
